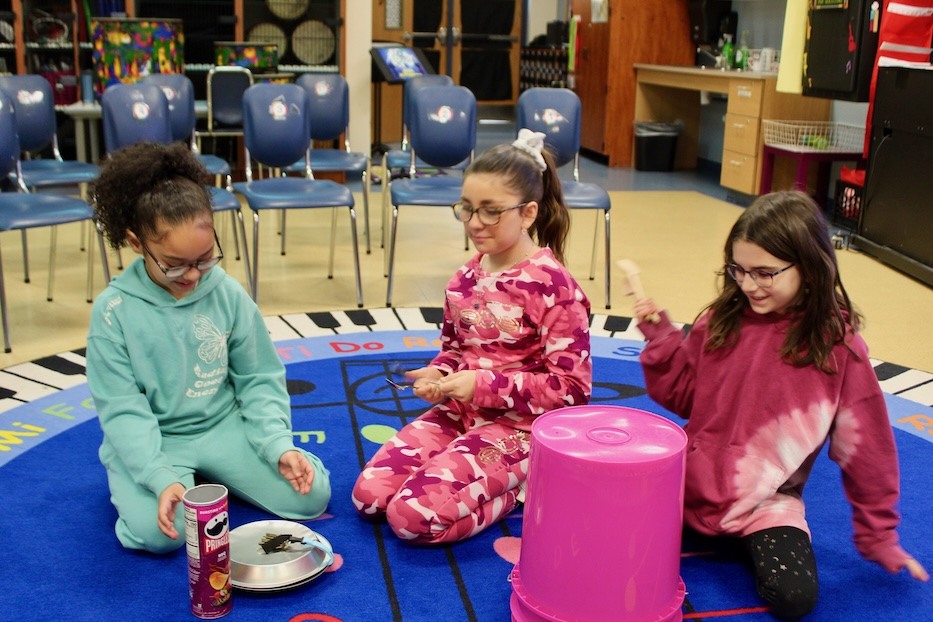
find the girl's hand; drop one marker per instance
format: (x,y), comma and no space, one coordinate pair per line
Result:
(916,570)
(646,309)
(168,503)
(295,467)
(425,383)
(459,386)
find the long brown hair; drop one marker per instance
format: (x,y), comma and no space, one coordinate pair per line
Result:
(527,180)
(790,226)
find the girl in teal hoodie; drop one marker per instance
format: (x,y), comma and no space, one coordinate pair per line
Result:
(183,373)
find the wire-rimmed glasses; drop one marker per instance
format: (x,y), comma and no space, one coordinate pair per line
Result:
(488,216)
(762,278)
(176,272)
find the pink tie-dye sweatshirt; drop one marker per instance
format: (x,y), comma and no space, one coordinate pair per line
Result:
(756,425)
(526,332)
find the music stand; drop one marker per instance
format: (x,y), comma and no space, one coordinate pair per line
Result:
(393,63)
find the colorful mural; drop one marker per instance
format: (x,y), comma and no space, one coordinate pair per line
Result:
(125,50)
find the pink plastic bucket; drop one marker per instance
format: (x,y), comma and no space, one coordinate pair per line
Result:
(602,521)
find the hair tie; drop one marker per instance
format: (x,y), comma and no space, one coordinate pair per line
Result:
(531,143)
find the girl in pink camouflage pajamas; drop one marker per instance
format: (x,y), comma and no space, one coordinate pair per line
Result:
(772,370)
(515,344)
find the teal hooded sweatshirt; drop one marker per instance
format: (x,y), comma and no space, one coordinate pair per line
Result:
(160,367)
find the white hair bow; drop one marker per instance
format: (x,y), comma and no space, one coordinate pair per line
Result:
(531,143)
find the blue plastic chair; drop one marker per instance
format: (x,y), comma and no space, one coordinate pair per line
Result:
(133,113)
(556,113)
(329,100)
(27,210)
(179,91)
(276,133)
(36,124)
(400,159)
(443,134)
(225,88)
(33,99)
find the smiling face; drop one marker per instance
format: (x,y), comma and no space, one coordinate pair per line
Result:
(506,242)
(184,244)
(785,288)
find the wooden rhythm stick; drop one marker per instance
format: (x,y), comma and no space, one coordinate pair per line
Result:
(634,287)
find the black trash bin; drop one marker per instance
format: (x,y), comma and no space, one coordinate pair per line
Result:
(655,145)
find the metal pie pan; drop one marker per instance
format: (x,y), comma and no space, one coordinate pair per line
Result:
(254,570)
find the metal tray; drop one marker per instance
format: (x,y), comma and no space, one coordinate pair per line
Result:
(254,570)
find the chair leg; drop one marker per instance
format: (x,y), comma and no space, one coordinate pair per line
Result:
(333,242)
(249,271)
(608,253)
(255,282)
(236,235)
(234,220)
(282,228)
(366,178)
(356,258)
(593,255)
(53,239)
(391,268)
(6,325)
(22,234)
(104,262)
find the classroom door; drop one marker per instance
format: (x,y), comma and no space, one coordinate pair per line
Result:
(476,42)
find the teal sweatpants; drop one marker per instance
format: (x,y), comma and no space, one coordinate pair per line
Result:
(221,455)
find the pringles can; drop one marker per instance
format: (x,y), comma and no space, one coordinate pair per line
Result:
(207,540)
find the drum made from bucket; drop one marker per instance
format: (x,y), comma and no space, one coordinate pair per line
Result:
(601,531)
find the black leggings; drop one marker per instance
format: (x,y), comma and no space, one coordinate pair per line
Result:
(785,570)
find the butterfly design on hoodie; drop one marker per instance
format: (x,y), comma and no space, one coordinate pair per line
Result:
(213,341)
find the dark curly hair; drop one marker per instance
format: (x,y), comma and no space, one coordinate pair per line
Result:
(147,184)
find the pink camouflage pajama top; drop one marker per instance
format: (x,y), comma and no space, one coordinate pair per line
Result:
(460,467)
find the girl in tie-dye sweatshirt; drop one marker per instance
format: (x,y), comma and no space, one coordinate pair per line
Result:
(515,344)
(770,372)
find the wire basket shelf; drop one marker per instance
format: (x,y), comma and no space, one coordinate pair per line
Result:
(803,136)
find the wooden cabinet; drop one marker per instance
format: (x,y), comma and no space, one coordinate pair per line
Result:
(609,43)
(666,93)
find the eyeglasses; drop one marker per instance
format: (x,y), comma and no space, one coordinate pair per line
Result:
(176,272)
(488,216)
(762,278)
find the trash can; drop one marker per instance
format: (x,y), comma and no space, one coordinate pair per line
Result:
(655,145)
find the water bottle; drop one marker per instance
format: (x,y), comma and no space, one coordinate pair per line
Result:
(87,87)
(728,53)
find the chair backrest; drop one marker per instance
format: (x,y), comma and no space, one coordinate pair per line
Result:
(443,124)
(179,91)
(32,96)
(412,85)
(556,113)
(225,88)
(134,113)
(329,103)
(276,124)
(9,139)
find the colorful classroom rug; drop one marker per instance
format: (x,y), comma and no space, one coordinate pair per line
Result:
(61,560)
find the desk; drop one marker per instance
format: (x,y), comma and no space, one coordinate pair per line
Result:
(86,116)
(667,92)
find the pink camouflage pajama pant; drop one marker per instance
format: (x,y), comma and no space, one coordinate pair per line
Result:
(445,476)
